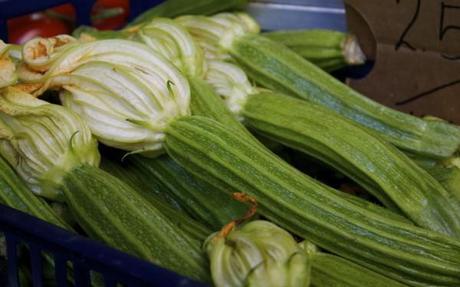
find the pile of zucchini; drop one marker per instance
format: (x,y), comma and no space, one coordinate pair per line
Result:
(172,140)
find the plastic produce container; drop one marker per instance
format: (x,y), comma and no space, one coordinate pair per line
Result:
(88,256)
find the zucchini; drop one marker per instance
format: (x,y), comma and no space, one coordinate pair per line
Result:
(278,68)
(200,199)
(180,219)
(15,194)
(330,65)
(49,140)
(111,211)
(327,49)
(140,179)
(330,270)
(152,99)
(377,166)
(275,67)
(156,190)
(205,102)
(403,252)
(448,174)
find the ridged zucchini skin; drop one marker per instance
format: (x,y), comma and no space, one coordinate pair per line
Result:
(311,210)
(330,65)
(324,48)
(315,38)
(14,193)
(329,270)
(449,177)
(278,68)
(110,211)
(174,8)
(384,171)
(181,220)
(201,200)
(205,102)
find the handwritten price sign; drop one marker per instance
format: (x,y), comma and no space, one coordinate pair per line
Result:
(416,48)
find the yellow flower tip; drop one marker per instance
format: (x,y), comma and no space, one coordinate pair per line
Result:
(29,88)
(85,38)
(133,29)
(38,51)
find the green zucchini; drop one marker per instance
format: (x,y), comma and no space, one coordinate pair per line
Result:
(278,68)
(311,210)
(327,49)
(140,179)
(223,157)
(275,67)
(205,102)
(330,65)
(328,270)
(448,174)
(15,193)
(63,211)
(333,271)
(182,220)
(46,141)
(315,38)
(111,211)
(377,166)
(200,200)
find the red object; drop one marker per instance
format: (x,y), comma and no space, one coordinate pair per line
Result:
(24,28)
(106,22)
(106,15)
(66,11)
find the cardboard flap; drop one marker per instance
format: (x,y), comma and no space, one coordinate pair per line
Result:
(416,48)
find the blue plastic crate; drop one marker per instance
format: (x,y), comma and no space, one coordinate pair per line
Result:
(84,254)
(87,255)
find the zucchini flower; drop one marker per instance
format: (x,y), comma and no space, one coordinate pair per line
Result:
(215,34)
(231,83)
(39,55)
(43,141)
(172,41)
(8,74)
(257,254)
(124,91)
